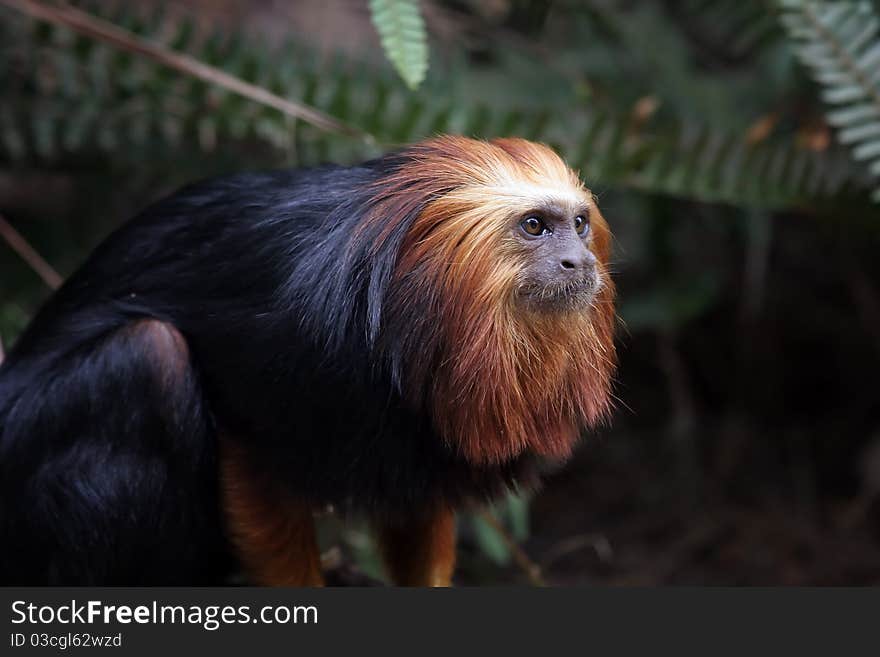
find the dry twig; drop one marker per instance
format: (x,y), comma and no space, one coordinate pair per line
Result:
(20,245)
(96,28)
(598,542)
(529,567)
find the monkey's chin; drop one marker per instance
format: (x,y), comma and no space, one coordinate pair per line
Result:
(576,296)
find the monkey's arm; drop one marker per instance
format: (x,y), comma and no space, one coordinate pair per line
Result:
(420,551)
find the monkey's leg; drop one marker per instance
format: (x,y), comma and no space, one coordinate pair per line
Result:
(421,551)
(273,533)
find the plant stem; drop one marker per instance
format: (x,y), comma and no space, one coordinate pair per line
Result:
(21,246)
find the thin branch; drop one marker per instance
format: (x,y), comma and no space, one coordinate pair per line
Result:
(529,567)
(102,30)
(20,245)
(2,355)
(599,542)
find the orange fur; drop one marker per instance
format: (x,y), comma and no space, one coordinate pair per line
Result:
(273,534)
(511,380)
(421,552)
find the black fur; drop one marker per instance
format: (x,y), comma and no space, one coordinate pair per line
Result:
(108,463)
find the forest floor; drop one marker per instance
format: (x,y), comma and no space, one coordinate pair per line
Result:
(611,517)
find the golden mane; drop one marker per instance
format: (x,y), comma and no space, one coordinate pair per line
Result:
(500,379)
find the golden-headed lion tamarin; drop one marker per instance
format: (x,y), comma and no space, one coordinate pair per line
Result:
(396,339)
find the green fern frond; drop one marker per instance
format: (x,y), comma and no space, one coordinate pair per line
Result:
(401,29)
(69,98)
(840,43)
(706,164)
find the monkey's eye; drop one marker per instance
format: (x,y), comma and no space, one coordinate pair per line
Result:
(581,224)
(534,226)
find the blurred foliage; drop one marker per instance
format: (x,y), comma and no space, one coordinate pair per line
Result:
(512,512)
(694,121)
(840,42)
(672,128)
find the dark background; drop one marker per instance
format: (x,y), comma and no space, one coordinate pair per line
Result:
(745,448)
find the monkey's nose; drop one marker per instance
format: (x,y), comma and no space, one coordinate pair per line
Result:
(577,262)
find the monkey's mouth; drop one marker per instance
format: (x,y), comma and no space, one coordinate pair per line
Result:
(573,294)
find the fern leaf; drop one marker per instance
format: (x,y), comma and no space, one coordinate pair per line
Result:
(103,110)
(401,29)
(839,42)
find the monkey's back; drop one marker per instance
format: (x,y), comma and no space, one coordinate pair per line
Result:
(222,263)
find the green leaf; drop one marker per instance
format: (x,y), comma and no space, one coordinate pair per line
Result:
(512,512)
(401,29)
(840,43)
(490,541)
(518,514)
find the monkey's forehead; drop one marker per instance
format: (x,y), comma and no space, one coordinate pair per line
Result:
(525,193)
(504,163)
(537,181)
(510,172)
(518,196)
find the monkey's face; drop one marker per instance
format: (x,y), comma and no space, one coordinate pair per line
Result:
(558,268)
(509,227)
